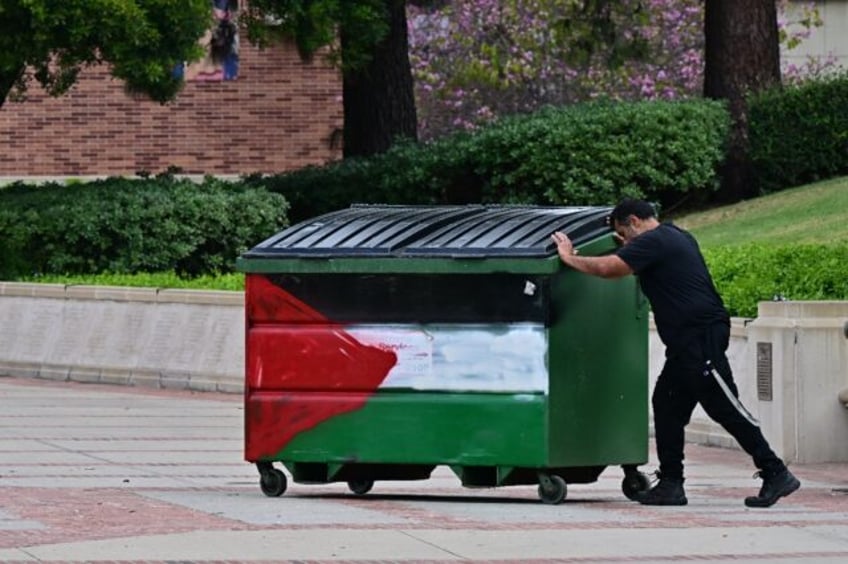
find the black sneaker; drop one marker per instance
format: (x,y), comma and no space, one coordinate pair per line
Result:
(669,491)
(774,487)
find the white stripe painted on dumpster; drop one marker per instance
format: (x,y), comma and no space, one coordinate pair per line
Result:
(469,357)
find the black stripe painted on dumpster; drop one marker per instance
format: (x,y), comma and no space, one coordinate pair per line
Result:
(417,298)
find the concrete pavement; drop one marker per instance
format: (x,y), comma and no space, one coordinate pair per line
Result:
(100,473)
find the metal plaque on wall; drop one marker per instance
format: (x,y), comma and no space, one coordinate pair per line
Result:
(764,372)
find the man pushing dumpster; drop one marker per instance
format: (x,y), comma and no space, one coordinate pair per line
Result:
(694,326)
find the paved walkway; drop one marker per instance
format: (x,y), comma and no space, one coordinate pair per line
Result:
(95,473)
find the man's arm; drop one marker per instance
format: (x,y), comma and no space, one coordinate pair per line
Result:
(610,266)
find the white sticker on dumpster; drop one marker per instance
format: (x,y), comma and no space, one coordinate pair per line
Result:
(486,358)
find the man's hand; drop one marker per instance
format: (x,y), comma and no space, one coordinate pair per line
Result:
(609,266)
(619,240)
(565,248)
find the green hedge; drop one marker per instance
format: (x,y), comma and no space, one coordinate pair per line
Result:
(597,153)
(799,134)
(231,281)
(584,154)
(744,275)
(127,226)
(747,274)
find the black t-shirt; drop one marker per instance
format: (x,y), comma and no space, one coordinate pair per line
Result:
(675,279)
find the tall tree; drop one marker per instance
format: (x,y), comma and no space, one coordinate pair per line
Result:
(378,97)
(368,40)
(742,55)
(50,41)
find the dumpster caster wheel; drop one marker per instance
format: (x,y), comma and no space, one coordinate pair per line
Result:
(634,484)
(360,487)
(273,482)
(552,489)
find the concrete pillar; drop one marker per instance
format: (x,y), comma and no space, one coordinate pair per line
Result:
(843,395)
(800,364)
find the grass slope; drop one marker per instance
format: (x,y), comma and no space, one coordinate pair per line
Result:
(816,213)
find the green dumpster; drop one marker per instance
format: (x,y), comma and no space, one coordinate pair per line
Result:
(383,341)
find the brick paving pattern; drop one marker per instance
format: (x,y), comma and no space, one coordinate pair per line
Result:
(93,473)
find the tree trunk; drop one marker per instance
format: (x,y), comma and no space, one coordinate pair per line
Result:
(742,55)
(379,103)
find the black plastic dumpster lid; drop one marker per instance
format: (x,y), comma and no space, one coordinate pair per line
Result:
(435,231)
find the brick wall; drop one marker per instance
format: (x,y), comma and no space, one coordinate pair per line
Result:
(279,114)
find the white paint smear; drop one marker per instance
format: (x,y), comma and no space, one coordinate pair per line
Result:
(471,357)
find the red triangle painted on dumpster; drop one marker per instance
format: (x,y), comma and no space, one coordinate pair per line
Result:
(310,375)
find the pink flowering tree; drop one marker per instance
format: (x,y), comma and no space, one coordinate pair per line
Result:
(796,23)
(474,60)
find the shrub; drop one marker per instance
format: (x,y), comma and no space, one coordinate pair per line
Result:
(128,226)
(747,274)
(799,134)
(578,155)
(597,153)
(232,281)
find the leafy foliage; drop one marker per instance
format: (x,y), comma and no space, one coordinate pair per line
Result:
(476,60)
(596,153)
(232,281)
(747,274)
(584,154)
(314,24)
(800,133)
(130,226)
(143,41)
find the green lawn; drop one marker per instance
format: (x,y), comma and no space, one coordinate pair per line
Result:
(816,213)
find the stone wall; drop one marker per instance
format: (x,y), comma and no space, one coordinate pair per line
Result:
(132,336)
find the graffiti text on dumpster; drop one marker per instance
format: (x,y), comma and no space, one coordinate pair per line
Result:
(279,359)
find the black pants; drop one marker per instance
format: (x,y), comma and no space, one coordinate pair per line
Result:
(688,378)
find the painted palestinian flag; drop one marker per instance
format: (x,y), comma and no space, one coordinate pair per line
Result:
(304,369)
